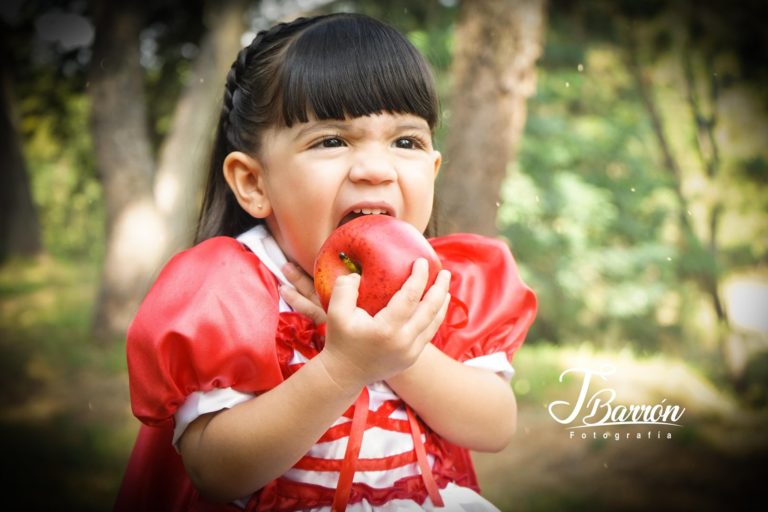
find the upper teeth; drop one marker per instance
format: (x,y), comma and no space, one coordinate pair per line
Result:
(370,211)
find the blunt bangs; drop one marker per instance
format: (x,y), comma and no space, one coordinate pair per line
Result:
(352,65)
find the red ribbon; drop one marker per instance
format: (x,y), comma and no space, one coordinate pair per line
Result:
(344,487)
(350,462)
(421,458)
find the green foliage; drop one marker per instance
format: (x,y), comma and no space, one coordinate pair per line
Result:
(592,212)
(64,184)
(49,86)
(586,208)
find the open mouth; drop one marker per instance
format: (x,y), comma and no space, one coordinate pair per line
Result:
(360,212)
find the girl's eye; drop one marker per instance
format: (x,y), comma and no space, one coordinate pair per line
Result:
(408,143)
(330,142)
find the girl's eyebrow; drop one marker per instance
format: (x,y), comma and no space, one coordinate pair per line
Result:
(411,126)
(320,126)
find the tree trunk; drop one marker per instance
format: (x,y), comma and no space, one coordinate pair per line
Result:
(19,224)
(706,146)
(150,216)
(134,231)
(183,156)
(497,45)
(709,153)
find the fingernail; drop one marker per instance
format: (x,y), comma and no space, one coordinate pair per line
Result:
(354,276)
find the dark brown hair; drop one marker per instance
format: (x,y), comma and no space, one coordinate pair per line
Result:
(330,66)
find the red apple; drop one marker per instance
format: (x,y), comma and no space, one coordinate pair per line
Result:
(382,249)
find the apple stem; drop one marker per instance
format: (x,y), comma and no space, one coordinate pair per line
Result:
(351,265)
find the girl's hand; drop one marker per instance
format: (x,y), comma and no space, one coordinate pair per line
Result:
(360,349)
(303,298)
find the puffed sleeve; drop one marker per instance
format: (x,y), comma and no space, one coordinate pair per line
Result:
(209,321)
(491,308)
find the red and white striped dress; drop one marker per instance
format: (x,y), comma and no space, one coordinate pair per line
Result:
(213,332)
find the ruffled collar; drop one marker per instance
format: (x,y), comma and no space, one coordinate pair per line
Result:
(259,240)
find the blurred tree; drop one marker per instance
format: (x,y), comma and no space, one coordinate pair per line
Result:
(183,154)
(697,43)
(496,46)
(150,204)
(19,225)
(705,246)
(641,184)
(125,164)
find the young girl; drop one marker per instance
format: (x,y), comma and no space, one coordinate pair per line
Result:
(251,396)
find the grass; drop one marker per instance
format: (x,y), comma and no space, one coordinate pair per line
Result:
(708,463)
(65,424)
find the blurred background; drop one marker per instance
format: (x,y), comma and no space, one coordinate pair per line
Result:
(619,147)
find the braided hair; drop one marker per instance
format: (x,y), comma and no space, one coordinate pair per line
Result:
(329,66)
(236,131)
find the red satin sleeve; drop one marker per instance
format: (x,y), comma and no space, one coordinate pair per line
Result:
(491,308)
(209,321)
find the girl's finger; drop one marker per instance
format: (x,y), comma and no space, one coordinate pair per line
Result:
(429,333)
(432,304)
(301,281)
(405,301)
(344,294)
(301,304)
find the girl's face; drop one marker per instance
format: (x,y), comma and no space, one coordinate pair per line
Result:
(319,174)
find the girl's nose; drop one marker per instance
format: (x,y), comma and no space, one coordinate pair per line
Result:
(373,167)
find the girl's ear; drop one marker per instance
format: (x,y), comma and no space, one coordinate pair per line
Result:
(245,177)
(438,160)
